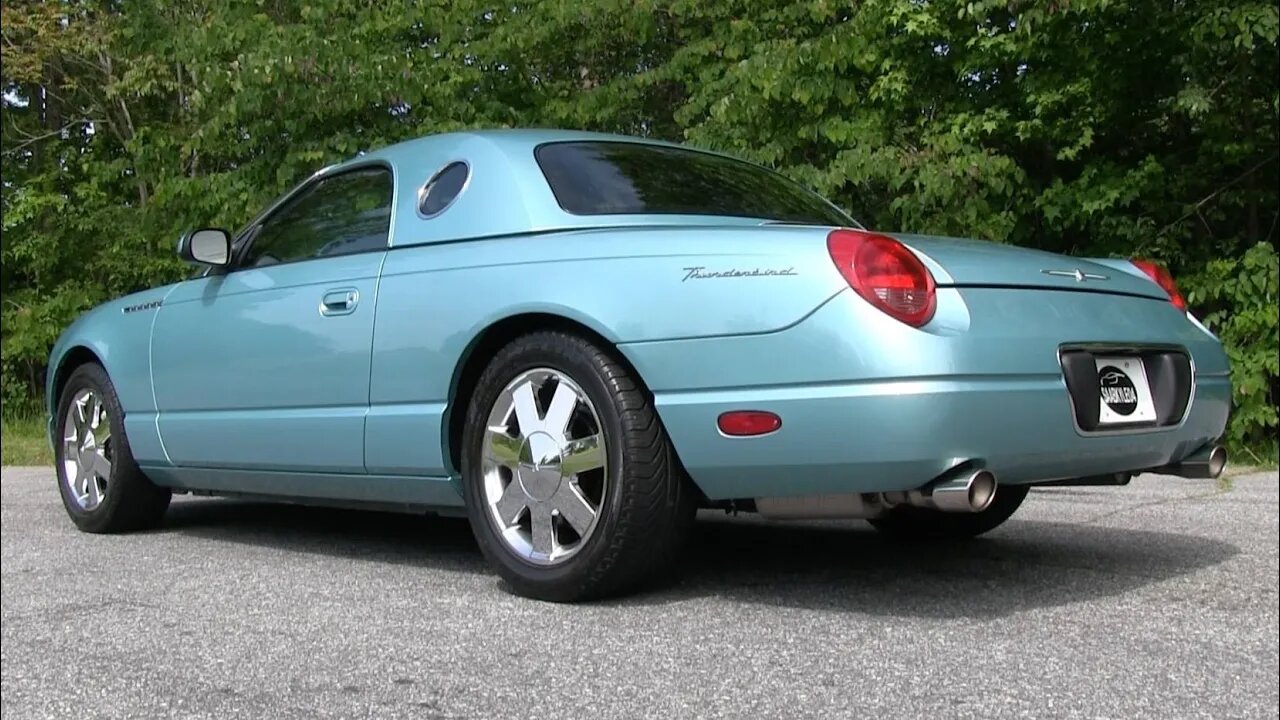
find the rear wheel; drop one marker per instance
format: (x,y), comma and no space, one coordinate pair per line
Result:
(571,484)
(915,523)
(101,486)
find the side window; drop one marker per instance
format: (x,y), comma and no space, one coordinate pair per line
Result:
(339,215)
(442,189)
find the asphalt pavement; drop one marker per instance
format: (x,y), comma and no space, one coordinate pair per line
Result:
(1154,600)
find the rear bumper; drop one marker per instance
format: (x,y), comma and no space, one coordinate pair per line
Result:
(870,405)
(898,435)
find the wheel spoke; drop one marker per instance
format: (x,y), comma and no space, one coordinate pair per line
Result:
(541,530)
(532,455)
(511,504)
(574,508)
(526,406)
(101,465)
(95,496)
(95,412)
(582,455)
(503,449)
(79,412)
(560,411)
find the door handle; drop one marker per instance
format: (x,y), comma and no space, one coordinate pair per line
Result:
(342,301)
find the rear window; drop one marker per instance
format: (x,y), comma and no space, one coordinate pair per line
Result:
(620,178)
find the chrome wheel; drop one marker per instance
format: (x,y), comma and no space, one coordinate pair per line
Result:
(86,449)
(544,465)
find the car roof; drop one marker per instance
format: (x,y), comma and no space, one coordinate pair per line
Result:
(505,192)
(509,140)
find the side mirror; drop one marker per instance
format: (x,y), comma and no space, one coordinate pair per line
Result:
(209,246)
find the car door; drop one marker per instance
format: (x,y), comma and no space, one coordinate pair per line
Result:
(266,366)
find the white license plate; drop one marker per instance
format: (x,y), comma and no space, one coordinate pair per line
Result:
(1123,389)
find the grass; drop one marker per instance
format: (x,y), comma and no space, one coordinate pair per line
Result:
(23,442)
(1246,462)
(1264,457)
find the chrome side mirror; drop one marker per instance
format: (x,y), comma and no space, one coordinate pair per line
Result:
(208,246)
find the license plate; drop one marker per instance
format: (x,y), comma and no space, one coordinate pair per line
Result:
(1123,389)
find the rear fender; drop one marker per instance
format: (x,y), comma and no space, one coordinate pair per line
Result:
(634,284)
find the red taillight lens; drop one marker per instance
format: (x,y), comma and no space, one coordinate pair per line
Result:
(745,423)
(1162,278)
(885,273)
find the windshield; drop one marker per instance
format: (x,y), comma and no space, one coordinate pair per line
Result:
(621,178)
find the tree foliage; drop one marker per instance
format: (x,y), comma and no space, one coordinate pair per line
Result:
(1091,127)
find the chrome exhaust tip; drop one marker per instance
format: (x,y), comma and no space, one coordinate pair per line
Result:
(1204,464)
(963,490)
(1217,461)
(971,492)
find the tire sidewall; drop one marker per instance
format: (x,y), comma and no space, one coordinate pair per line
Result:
(578,364)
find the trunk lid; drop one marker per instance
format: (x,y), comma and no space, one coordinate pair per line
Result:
(974,263)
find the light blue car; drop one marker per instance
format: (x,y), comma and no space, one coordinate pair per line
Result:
(578,339)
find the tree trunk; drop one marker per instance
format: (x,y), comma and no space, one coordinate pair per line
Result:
(1251,191)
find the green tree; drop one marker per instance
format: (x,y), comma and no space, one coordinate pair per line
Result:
(1091,127)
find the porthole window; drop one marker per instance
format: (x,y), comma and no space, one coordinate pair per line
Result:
(442,189)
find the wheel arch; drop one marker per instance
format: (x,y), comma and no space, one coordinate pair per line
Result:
(74,357)
(475,358)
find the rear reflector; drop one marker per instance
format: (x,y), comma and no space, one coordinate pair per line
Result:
(1161,277)
(744,423)
(885,273)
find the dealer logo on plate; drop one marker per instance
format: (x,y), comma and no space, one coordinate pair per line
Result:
(1117,390)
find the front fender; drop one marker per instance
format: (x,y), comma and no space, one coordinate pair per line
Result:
(118,335)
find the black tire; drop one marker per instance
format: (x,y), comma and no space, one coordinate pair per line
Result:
(131,501)
(647,511)
(923,524)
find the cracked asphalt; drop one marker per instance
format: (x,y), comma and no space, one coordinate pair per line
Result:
(1154,600)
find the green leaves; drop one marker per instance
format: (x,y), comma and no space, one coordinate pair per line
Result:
(1094,127)
(1239,298)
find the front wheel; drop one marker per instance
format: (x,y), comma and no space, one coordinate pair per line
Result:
(915,523)
(571,484)
(101,486)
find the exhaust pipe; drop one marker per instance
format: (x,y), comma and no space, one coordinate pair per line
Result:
(965,490)
(971,492)
(961,490)
(1207,463)
(846,506)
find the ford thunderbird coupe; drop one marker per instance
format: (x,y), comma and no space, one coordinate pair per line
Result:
(577,340)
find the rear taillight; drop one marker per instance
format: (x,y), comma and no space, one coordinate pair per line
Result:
(885,273)
(1161,277)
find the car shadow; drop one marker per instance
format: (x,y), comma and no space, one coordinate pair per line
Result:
(1024,565)
(426,541)
(846,566)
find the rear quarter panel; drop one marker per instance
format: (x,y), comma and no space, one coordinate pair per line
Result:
(628,285)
